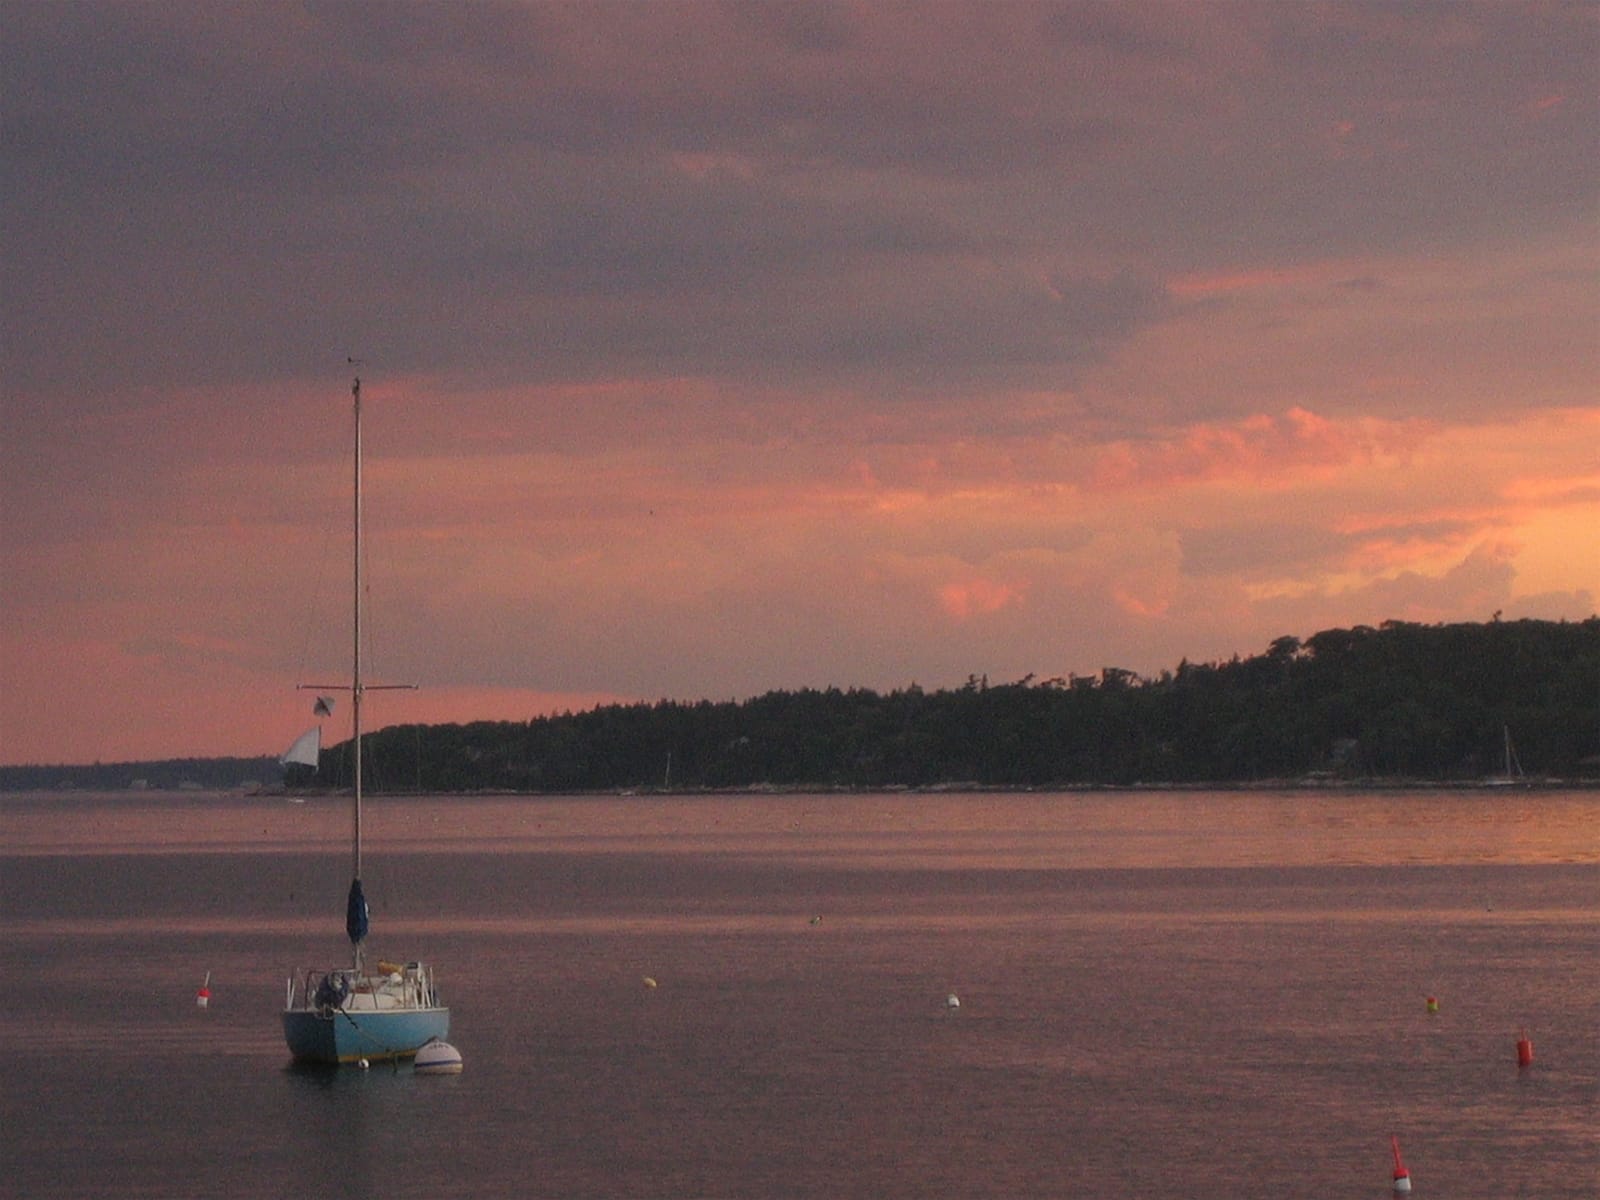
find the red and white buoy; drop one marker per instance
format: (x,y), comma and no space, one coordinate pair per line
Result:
(1402,1177)
(1524,1050)
(202,998)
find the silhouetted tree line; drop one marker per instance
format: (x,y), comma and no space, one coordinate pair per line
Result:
(170,774)
(1404,701)
(1399,702)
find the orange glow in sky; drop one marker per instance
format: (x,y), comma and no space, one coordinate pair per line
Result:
(836,347)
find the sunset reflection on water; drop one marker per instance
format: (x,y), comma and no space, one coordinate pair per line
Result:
(944,830)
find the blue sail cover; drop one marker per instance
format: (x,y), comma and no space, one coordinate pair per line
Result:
(355,913)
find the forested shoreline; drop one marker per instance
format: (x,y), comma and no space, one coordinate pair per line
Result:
(1399,703)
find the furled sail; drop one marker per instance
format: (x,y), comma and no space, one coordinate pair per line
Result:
(355,913)
(306,750)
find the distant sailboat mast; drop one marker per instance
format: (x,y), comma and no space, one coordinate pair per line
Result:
(1513,764)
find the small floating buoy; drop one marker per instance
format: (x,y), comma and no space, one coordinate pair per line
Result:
(202,998)
(1524,1050)
(1402,1177)
(952,1002)
(816,920)
(362,1064)
(649,982)
(438,1058)
(1433,1004)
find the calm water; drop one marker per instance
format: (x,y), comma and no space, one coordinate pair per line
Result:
(1186,995)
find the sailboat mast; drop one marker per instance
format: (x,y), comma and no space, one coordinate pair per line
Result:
(356,909)
(355,671)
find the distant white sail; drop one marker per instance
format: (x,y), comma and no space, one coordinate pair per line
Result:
(306,749)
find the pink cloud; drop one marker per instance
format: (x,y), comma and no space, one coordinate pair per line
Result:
(1259,449)
(975,597)
(1140,604)
(1202,285)
(1557,490)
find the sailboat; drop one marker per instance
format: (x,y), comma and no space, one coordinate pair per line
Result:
(305,750)
(1512,775)
(360,1013)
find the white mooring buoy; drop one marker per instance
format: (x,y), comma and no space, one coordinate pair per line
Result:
(952,1002)
(438,1058)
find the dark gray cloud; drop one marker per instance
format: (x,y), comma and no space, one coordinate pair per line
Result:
(986,196)
(1255,549)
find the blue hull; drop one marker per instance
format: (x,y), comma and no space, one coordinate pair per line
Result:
(375,1035)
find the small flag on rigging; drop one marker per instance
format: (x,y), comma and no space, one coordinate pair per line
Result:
(323,707)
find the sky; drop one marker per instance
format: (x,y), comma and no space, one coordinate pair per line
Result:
(710,349)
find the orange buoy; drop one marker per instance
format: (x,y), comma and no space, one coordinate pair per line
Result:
(1402,1177)
(1433,1004)
(1524,1050)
